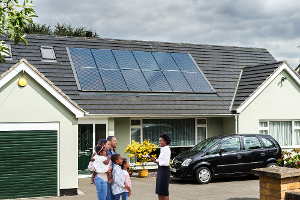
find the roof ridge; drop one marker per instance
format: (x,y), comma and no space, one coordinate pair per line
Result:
(144,41)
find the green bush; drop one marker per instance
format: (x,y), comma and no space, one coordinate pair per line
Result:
(290,159)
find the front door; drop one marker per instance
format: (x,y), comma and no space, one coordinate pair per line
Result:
(85,145)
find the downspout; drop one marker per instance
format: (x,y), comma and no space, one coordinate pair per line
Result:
(236,123)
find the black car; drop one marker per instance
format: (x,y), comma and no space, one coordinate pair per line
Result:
(226,155)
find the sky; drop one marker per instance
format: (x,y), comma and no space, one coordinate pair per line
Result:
(270,24)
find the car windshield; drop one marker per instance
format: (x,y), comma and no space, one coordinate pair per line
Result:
(206,144)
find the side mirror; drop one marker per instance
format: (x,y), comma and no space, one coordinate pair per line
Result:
(222,151)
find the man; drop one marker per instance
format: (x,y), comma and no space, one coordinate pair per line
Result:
(112,145)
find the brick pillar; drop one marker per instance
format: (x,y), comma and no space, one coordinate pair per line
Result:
(275,188)
(276,181)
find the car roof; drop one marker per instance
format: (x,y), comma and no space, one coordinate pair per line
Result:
(242,135)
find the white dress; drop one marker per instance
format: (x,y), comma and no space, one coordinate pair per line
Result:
(99,165)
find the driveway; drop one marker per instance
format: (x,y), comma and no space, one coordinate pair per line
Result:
(237,188)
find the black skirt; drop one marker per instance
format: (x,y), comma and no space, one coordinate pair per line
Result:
(162,180)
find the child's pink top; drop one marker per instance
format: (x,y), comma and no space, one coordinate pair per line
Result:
(127,179)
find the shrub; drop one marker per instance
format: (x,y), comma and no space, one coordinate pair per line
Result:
(138,150)
(290,159)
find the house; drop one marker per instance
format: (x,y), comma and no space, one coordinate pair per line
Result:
(60,95)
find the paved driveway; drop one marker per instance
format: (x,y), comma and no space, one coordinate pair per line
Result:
(238,188)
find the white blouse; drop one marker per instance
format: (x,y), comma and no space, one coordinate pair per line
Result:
(164,156)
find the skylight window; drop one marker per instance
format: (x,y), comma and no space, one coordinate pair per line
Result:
(48,53)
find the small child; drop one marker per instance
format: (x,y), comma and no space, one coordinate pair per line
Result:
(118,185)
(125,167)
(101,163)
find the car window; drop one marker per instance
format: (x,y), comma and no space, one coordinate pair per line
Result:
(251,143)
(214,149)
(231,145)
(268,143)
(205,144)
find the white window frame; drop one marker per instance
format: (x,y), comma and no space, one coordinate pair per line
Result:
(293,130)
(48,59)
(137,126)
(200,125)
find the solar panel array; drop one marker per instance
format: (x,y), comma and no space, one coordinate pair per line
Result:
(137,71)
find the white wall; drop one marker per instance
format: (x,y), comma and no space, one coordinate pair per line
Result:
(33,103)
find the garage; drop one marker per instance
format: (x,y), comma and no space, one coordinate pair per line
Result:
(28,162)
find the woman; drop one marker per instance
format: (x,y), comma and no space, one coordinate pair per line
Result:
(101,182)
(163,173)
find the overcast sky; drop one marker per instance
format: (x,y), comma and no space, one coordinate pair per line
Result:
(270,24)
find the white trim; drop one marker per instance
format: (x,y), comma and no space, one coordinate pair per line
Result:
(24,67)
(38,127)
(283,66)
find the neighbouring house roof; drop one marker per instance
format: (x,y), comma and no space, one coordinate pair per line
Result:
(251,78)
(246,93)
(24,66)
(221,65)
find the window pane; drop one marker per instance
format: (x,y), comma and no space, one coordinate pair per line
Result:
(201,121)
(263,124)
(135,122)
(297,137)
(282,132)
(136,134)
(48,53)
(251,143)
(297,124)
(268,143)
(181,131)
(201,134)
(264,132)
(231,145)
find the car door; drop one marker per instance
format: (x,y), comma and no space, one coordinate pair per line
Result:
(230,157)
(254,154)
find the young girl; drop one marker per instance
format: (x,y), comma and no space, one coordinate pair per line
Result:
(101,162)
(125,166)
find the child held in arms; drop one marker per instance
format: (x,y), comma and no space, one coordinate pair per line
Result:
(118,185)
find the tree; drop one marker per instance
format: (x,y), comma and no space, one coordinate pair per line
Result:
(59,29)
(14,18)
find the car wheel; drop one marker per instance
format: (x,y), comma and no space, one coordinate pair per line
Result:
(203,175)
(272,165)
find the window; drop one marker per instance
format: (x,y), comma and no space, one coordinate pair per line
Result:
(231,145)
(287,133)
(48,53)
(251,143)
(182,131)
(201,128)
(268,143)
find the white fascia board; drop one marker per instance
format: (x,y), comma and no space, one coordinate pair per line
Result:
(284,66)
(24,67)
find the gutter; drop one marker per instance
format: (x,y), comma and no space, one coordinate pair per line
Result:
(236,89)
(151,115)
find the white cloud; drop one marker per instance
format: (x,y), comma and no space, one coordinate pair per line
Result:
(270,24)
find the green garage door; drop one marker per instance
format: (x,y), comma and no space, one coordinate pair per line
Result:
(28,164)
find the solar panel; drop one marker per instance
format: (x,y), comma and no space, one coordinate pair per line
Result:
(104,59)
(197,82)
(157,81)
(118,70)
(113,80)
(82,57)
(89,79)
(125,59)
(135,80)
(145,60)
(184,62)
(177,81)
(165,61)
